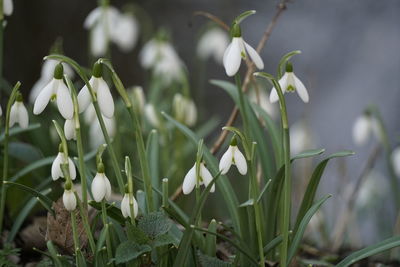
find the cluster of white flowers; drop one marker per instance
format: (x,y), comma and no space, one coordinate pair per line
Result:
(107,24)
(184,110)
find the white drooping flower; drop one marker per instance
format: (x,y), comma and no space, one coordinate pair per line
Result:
(161,57)
(190,180)
(8,7)
(235,157)
(152,115)
(55,89)
(374,188)
(18,113)
(46,75)
(261,99)
(237,50)
(1,111)
(102,91)
(96,136)
(56,171)
(301,138)
(69,129)
(101,187)
(396,160)
(108,24)
(213,43)
(290,83)
(184,110)
(365,126)
(126,209)
(138,98)
(69,200)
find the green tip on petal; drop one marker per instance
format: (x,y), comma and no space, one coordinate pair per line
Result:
(100,167)
(19,97)
(58,71)
(68,185)
(235,30)
(97,70)
(289,67)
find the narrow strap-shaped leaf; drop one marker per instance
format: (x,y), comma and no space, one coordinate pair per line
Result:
(17,130)
(312,186)
(152,149)
(54,254)
(211,241)
(302,227)
(273,244)
(370,251)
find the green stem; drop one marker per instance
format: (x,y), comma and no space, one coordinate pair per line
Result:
(257,213)
(86,225)
(75,237)
(5,150)
(108,238)
(242,104)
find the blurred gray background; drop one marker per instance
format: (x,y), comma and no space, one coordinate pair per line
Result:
(350,59)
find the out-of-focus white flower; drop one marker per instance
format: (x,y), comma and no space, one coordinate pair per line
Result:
(56,171)
(237,50)
(213,44)
(69,200)
(365,126)
(301,138)
(108,24)
(184,110)
(233,156)
(290,83)
(138,98)
(100,87)
(1,111)
(151,115)
(161,57)
(46,75)
(18,113)
(261,98)
(101,187)
(125,208)
(374,187)
(189,182)
(8,7)
(396,160)
(96,136)
(69,129)
(55,89)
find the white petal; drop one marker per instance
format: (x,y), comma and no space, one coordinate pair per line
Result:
(226,53)
(396,160)
(44,97)
(135,207)
(13,114)
(84,97)
(69,200)
(206,176)
(23,117)
(92,18)
(72,170)
(255,57)
(233,57)
(125,206)
(361,130)
(98,187)
(240,161)
(189,181)
(151,115)
(69,129)
(273,97)
(226,161)
(105,99)
(8,7)
(56,168)
(1,111)
(64,101)
(301,89)
(125,34)
(98,40)
(108,188)
(37,88)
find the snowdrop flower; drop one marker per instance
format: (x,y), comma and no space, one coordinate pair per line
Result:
(1,111)
(301,138)
(374,187)
(213,44)
(69,129)
(101,187)
(126,209)
(235,157)
(237,50)
(56,171)
(55,89)
(151,115)
(96,136)
(8,7)
(396,160)
(18,113)
(102,91)
(69,199)
(126,32)
(46,76)
(290,83)
(365,126)
(184,109)
(190,179)
(261,99)
(138,98)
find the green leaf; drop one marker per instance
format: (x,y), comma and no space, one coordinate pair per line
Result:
(102,239)
(309,153)
(54,254)
(243,16)
(264,190)
(312,186)
(249,202)
(48,202)
(31,167)
(137,235)
(303,225)
(129,250)
(17,130)
(112,211)
(285,59)
(370,251)
(207,261)
(154,224)
(273,244)
(211,240)
(163,240)
(24,152)
(152,150)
